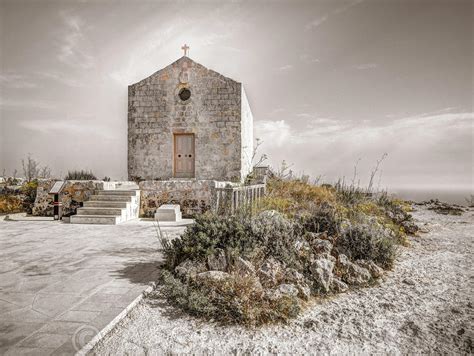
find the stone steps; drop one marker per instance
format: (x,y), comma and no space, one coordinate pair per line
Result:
(109,207)
(110,198)
(96,219)
(100,211)
(105,204)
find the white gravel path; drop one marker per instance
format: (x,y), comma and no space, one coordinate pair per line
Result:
(424,305)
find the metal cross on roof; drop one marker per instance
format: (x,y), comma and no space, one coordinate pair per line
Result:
(185,48)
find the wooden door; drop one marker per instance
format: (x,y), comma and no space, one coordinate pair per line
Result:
(184,155)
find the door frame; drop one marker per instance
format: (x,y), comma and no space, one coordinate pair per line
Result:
(175,134)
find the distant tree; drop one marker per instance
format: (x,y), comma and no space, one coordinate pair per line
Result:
(31,168)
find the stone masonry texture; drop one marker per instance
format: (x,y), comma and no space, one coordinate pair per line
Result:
(217,113)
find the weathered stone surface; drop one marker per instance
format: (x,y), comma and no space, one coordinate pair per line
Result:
(218,261)
(352,274)
(321,246)
(193,196)
(213,276)
(244,267)
(190,268)
(283,290)
(294,277)
(271,272)
(217,113)
(338,286)
(74,193)
(374,270)
(321,270)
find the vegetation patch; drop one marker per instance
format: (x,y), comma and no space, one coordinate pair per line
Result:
(263,265)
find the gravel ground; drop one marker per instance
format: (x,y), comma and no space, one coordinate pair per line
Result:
(424,305)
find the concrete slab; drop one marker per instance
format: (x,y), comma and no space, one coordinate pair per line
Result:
(60,284)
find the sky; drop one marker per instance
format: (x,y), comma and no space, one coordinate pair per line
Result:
(333,85)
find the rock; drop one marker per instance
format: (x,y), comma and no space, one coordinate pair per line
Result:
(190,268)
(322,246)
(218,261)
(296,278)
(244,267)
(338,286)
(214,276)
(321,270)
(352,274)
(283,290)
(375,271)
(408,281)
(271,272)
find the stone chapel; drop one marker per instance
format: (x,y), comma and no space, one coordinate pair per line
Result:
(186,121)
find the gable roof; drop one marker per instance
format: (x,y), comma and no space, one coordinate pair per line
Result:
(177,63)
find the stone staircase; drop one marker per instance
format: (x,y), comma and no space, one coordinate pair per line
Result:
(109,207)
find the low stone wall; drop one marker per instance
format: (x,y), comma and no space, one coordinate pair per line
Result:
(194,196)
(74,193)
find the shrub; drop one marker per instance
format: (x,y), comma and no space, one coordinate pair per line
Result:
(290,244)
(235,300)
(80,175)
(210,232)
(367,241)
(29,192)
(10,203)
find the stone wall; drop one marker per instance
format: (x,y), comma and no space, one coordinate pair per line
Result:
(194,196)
(74,193)
(246,135)
(212,114)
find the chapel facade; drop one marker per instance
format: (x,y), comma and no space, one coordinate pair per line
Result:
(189,122)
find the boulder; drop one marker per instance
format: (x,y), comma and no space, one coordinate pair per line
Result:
(271,272)
(338,286)
(294,277)
(322,246)
(217,261)
(352,274)
(213,276)
(190,269)
(321,270)
(244,267)
(283,290)
(374,270)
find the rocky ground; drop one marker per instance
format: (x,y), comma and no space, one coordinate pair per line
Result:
(424,305)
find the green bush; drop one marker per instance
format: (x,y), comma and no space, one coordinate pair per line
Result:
(290,244)
(366,241)
(29,195)
(209,233)
(235,300)
(80,175)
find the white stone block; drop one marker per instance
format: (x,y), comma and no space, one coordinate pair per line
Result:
(168,212)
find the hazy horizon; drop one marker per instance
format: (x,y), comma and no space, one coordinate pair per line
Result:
(331,84)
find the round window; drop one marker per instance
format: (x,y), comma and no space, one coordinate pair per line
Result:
(184,94)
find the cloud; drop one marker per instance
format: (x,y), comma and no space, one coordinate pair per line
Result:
(309,59)
(317,22)
(77,126)
(366,66)
(73,42)
(438,153)
(286,67)
(320,20)
(26,104)
(16,81)
(277,133)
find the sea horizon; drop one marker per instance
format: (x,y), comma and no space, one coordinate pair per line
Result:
(460,196)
